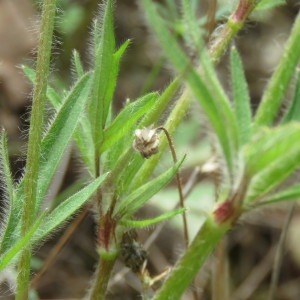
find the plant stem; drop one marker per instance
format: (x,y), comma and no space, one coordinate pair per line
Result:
(280,79)
(234,23)
(189,264)
(100,284)
(211,234)
(179,185)
(34,141)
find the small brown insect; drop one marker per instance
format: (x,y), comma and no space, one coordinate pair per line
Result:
(146,141)
(132,252)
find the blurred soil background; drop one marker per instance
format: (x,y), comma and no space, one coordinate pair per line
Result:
(250,246)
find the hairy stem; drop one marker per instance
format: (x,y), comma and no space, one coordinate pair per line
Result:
(34,141)
(103,271)
(234,23)
(190,263)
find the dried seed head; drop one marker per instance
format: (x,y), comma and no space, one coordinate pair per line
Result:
(133,254)
(146,141)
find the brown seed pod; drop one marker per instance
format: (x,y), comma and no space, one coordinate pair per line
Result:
(132,252)
(146,141)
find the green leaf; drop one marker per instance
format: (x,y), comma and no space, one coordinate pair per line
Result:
(63,211)
(125,119)
(210,78)
(82,135)
(217,109)
(142,169)
(153,114)
(52,96)
(271,145)
(292,193)
(241,97)
(145,223)
(9,222)
(119,53)
(268,4)
(293,113)
(279,82)
(192,32)
(113,75)
(77,64)
(119,148)
(68,192)
(272,176)
(273,166)
(7,177)
(7,257)
(58,136)
(85,143)
(141,195)
(125,175)
(61,131)
(103,70)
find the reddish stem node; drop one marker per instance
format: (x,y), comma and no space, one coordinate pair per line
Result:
(106,232)
(224,212)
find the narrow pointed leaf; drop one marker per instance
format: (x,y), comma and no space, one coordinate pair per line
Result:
(140,196)
(241,97)
(77,64)
(279,82)
(63,211)
(58,136)
(7,177)
(7,257)
(292,193)
(268,4)
(293,113)
(145,223)
(112,80)
(60,132)
(271,145)
(85,143)
(119,148)
(9,222)
(274,174)
(125,119)
(153,114)
(222,101)
(113,75)
(126,175)
(103,67)
(82,135)
(119,53)
(192,33)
